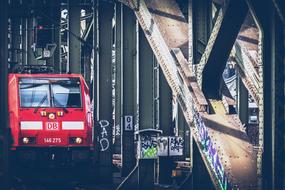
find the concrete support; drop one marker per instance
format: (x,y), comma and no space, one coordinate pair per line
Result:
(166,164)
(273,171)
(242,101)
(146,107)
(73,35)
(4,131)
(103,105)
(129,87)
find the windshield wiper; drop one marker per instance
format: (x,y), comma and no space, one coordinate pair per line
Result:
(40,103)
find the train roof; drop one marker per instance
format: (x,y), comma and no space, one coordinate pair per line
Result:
(46,75)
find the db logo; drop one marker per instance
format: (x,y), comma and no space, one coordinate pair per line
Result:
(52,126)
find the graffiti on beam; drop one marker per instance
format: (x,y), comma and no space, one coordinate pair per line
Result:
(163,146)
(210,151)
(117,130)
(170,146)
(103,137)
(148,147)
(176,146)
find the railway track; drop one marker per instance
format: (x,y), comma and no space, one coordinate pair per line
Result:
(56,179)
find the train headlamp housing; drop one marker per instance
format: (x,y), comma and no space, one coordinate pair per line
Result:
(25,140)
(76,140)
(51,116)
(28,140)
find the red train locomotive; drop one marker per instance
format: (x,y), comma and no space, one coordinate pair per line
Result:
(50,112)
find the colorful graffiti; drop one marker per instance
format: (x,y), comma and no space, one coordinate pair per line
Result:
(210,151)
(149,147)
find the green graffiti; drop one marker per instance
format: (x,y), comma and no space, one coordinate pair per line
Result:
(150,152)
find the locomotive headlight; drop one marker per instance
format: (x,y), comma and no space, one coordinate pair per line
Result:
(78,140)
(26,140)
(51,116)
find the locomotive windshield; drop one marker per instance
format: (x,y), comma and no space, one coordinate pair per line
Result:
(50,92)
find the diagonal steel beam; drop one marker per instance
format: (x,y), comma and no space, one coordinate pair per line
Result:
(248,74)
(218,49)
(280,8)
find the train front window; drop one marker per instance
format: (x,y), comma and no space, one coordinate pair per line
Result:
(50,92)
(66,95)
(34,95)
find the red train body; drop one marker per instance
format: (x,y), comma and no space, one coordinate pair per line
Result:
(50,110)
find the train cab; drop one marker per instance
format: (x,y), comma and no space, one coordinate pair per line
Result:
(50,111)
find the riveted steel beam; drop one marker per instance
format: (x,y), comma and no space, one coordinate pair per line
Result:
(249,76)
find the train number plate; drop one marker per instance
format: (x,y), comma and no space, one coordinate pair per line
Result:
(52,126)
(52,140)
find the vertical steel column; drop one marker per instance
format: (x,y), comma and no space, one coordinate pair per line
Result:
(201,19)
(4,138)
(273,77)
(146,85)
(118,76)
(146,107)
(30,55)
(104,91)
(128,90)
(277,102)
(24,42)
(73,35)
(16,41)
(184,131)
(166,125)
(94,83)
(191,62)
(56,37)
(258,7)
(242,101)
